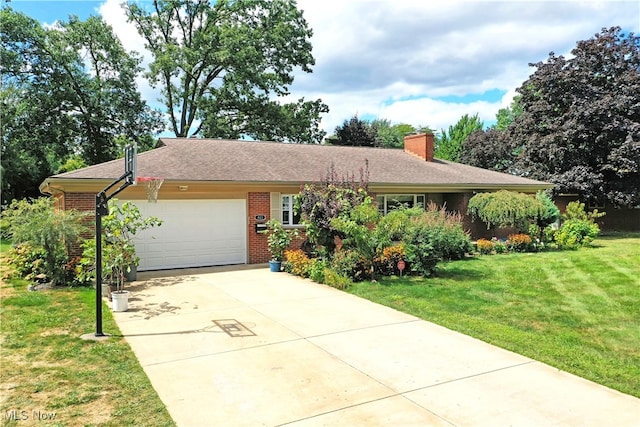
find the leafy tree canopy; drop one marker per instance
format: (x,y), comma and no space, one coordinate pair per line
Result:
(222,64)
(356,132)
(449,143)
(375,133)
(506,116)
(66,91)
(580,123)
(507,209)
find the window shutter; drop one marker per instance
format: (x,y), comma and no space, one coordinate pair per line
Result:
(276,206)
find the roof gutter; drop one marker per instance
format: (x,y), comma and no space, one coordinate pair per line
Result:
(54,185)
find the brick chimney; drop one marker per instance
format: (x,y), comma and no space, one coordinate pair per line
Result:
(421,145)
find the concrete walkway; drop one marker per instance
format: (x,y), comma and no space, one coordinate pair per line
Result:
(250,347)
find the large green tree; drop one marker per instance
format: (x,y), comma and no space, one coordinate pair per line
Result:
(580,123)
(372,133)
(355,132)
(449,143)
(488,149)
(491,148)
(67,91)
(580,126)
(506,116)
(391,136)
(222,65)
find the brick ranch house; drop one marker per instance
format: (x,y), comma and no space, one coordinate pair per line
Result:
(216,191)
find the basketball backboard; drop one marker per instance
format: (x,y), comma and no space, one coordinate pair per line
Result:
(131,163)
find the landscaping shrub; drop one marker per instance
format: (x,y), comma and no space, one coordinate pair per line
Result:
(387,262)
(298,263)
(499,246)
(28,261)
(576,232)
(335,279)
(507,209)
(549,213)
(372,243)
(519,243)
(320,203)
(428,236)
(485,246)
(317,270)
(448,238)
(392,227)
(352,264)
(48,233)
(357,228)
(579,227)
(420,251)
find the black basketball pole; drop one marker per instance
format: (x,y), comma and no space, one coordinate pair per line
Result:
(102,208)
(99,265)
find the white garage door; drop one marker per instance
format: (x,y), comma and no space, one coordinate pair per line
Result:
(194,233)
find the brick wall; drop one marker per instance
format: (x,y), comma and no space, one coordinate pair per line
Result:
(616,219)
(80,201)
(83,202)
(259,204)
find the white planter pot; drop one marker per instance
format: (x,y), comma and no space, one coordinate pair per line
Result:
(120,301)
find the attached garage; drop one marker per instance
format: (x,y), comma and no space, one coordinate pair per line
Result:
(194,233)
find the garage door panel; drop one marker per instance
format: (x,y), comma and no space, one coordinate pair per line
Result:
(194,233)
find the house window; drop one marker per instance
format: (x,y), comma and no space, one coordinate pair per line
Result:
(389,202)
(288,215)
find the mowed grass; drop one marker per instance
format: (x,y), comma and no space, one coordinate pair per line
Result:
(46,368)
(576,310)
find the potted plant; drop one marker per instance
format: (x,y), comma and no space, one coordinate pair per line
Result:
(116,259)
(278,240)
(118,250)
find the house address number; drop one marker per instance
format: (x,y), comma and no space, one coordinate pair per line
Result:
(261,217)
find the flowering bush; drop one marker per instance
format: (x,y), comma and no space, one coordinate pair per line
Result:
(297,263)
(519,243)
(387,262)
(485,246)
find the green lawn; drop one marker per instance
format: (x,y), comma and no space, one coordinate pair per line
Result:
(576,310)
(48,369)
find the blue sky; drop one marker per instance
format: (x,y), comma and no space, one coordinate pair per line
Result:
(48,11)
(410,61)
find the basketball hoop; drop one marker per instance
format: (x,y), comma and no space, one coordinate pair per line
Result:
(152,185)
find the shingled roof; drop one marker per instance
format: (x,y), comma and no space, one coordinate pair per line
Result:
(215,160)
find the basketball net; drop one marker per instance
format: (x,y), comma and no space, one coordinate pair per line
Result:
(152,186)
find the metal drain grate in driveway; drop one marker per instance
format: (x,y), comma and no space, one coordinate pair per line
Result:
(233,328)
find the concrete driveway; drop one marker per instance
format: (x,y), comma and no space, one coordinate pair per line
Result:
(249,347)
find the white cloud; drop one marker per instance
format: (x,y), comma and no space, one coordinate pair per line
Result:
(370,51)
(398,59)
(114,15)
